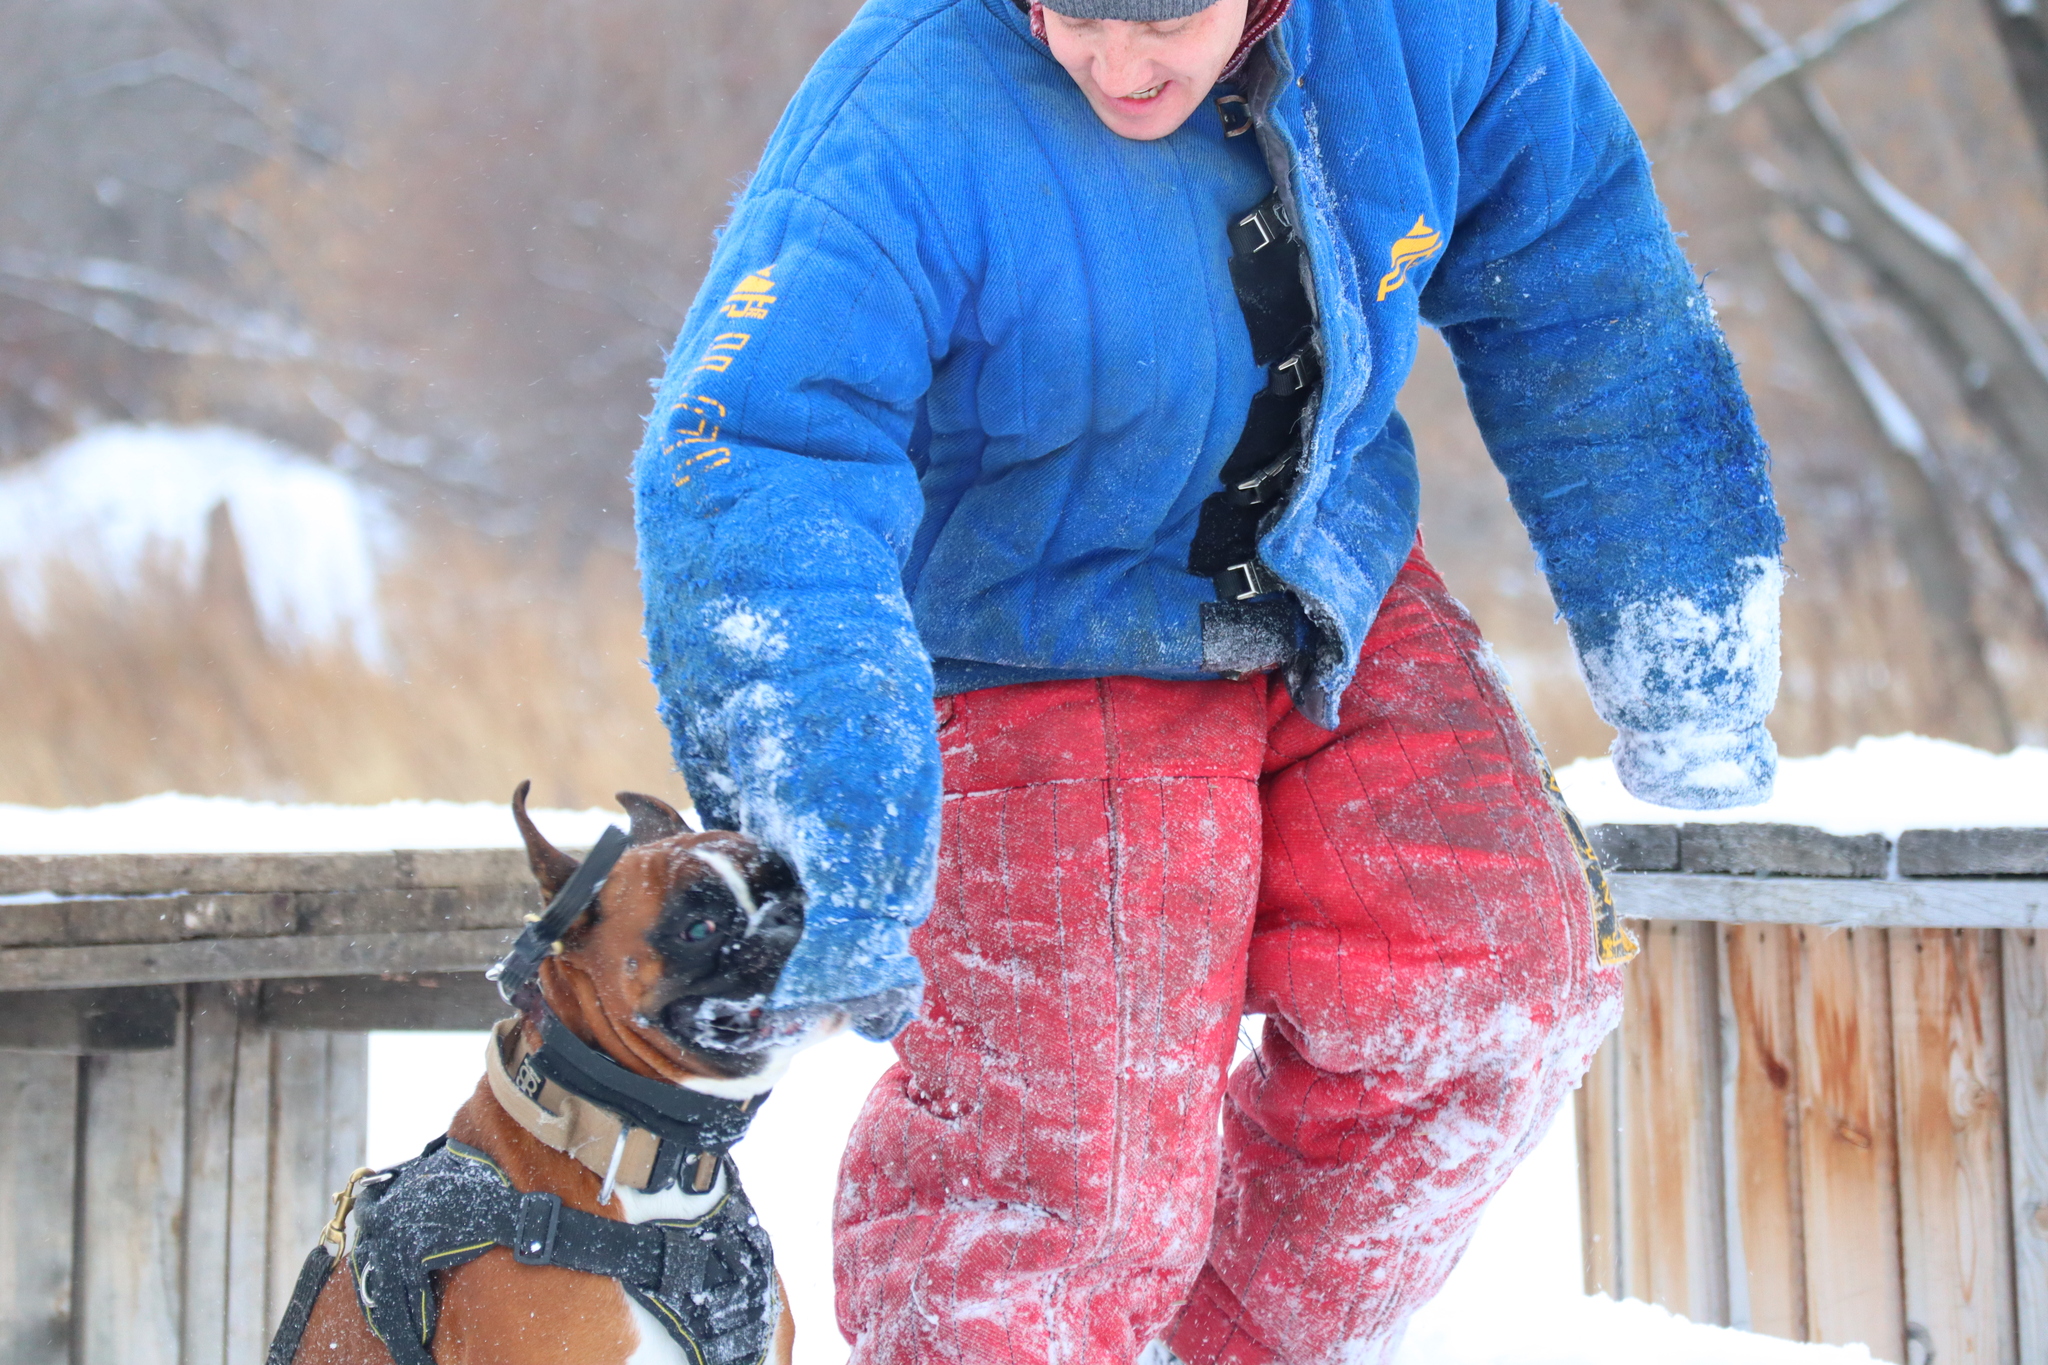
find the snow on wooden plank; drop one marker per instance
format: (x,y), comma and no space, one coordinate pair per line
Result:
(1848,1141)
(2025,979)
(1767,1268)
(1958,904)
(169,919)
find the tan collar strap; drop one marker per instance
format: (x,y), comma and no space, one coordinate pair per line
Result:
(577,1128)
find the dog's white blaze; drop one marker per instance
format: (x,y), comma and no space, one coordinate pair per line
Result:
(734,882)
(656,1346)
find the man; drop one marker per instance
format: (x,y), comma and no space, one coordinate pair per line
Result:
(1047,367)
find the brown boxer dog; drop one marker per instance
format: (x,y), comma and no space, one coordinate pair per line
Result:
(657,977)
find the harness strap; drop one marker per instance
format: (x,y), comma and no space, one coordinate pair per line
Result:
(1255,622)
(709,1279)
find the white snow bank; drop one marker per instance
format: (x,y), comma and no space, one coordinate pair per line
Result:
(1879,785)
(1514,1300)
(175,823)
(110,500)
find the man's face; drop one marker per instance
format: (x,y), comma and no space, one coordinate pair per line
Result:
(1144,79)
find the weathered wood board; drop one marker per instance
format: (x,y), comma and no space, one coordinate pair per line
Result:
(38,1149)
(1948,1041)
(2025,980)
(1763,1157)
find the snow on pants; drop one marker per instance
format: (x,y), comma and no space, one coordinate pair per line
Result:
(1126,865)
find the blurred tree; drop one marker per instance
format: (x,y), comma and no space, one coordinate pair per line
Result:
(445,244)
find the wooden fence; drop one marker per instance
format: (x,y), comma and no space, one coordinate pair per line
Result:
(183,1073)
(1829,1133)
(1825,1114)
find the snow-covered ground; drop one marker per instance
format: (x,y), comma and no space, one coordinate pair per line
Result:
(117,498)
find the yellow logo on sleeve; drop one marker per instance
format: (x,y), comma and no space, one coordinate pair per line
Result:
(1419,244)
(751,297)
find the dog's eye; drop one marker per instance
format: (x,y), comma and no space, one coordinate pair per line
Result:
(701,930)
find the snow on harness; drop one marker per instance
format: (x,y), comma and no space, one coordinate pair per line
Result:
(709,1280)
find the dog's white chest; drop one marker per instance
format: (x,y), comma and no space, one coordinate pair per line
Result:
(656,1346)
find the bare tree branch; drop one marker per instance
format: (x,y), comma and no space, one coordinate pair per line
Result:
(1782,59)
(1925,537)
(1977,328)
(2022,29)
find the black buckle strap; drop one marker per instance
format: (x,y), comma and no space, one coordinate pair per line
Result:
(534,1226)
(1298,373)
(1266,487)
(1243,582)
(538,939)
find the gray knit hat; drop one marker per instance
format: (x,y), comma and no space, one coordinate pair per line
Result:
(1143,10)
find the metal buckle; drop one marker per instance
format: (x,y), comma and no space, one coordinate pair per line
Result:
(533,1228)
(1267,236)
(1264,486)
(1294,374)
(1242,582)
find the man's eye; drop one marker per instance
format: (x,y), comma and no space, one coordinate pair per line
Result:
(701,930)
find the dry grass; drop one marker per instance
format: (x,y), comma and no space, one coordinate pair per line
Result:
(500,672)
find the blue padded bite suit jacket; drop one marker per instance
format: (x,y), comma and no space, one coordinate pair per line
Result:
(966,363)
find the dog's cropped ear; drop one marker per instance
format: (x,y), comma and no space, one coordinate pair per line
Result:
(652,818)
(551,867)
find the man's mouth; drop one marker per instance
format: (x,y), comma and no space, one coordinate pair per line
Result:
(1150,92)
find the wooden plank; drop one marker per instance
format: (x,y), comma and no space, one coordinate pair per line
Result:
(2025,973)
(1844,902)
(1672,1198)
(1848,1173)
(361,1004)
(171,919)
(1636,848)
(130,1262)
(130,874)
(1787,850)
(210,1045)
(319,1094)
(251,959)
(1973,852)
(1597,1106)
(38,1148)
(116,1019)
(1948,1051)
(246,1327)
(1766,1252)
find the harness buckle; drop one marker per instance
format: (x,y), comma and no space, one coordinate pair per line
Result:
(534,1227)
(1243,582)
(1299,371)
(1269,485)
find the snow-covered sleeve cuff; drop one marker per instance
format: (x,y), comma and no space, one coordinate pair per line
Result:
(1693,769)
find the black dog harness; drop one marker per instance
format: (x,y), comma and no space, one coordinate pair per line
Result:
(709,1280)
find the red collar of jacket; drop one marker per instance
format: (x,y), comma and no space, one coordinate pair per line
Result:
(1260,19)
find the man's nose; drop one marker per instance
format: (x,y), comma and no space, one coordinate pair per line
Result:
(1121,68)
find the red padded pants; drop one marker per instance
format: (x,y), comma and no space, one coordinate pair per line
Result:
(1126,865)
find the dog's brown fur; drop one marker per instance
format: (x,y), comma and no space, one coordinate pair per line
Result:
(495,1311)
